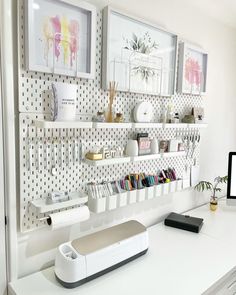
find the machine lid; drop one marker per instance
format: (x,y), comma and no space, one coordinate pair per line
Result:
(107,237)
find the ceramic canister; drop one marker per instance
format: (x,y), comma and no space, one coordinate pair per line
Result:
(154,146)
(131,148)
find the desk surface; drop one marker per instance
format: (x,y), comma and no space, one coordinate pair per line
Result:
(178,262)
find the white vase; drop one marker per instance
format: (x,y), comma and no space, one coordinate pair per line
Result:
(154,146)
(131,148)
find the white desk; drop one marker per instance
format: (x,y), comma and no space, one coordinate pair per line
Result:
(177,263)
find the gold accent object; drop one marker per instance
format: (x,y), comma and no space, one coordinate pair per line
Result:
(213,204)
(93,156)
(112,93)
(107,237)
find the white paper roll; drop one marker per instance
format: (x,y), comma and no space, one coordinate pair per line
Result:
(68,217)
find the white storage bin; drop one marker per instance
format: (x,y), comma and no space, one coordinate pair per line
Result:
(132,196)
(179,185)
(172,186)
(111,202)
(122,199)
(97,205)
(141,193)
(157,190)
(149,192)
(165,188)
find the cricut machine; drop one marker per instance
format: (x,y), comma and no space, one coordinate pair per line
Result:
(86,258)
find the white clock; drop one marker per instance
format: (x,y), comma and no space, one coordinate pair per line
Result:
(143,112)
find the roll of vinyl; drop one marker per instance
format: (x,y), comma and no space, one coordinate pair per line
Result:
(68,217)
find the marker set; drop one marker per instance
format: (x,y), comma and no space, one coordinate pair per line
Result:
(134,181)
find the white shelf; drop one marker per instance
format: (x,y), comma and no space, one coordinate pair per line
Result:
(197,125)
(175,125)
(62,124)
(147,125)
(105,162)
(173,154)
(81,124)
(145,157)
(76,199)
(113,161)
(112,125)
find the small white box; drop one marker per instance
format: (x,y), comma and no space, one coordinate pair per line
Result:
(122,199)
(111,202)
(165,188)
(132,196)
(149,192)
(157,190)
(179,185)
(97,205)
(141,194)
(172,186)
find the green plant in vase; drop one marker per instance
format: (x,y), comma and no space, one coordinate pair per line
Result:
(214,188)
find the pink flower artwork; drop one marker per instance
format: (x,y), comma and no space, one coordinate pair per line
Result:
(193,71)
(64,35)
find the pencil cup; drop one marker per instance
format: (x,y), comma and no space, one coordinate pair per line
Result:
(179,185)
(157,190)
(149,192)
(97,205)
(132,196)
(165,188)
(111,202)
(141,193)
(122,199)
(172,186)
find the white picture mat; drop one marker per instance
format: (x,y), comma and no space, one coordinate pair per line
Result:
(84,14)
(121,27)
(195,53)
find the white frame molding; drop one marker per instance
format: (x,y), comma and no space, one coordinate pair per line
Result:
(9,143)
(105,48)
(29,41)
(182,49)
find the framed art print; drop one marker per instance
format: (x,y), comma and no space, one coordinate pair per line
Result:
(60,37)
(192,70)
(139,56)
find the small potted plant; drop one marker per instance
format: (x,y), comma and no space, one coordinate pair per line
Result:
(214,188)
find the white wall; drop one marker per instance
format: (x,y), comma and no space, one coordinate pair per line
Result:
(36,250)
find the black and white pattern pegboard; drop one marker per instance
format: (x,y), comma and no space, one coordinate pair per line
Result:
(34,103)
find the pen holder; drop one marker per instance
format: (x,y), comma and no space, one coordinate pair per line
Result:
(179,185)
(165,188)
(111,202)
(132,196)
(172,186)
(122,199)
(141,193)
(149,192)
(97,205)
(157,190)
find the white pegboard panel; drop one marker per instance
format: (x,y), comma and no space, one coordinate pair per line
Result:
(34,103)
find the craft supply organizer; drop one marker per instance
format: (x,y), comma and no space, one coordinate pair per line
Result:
(71,175)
